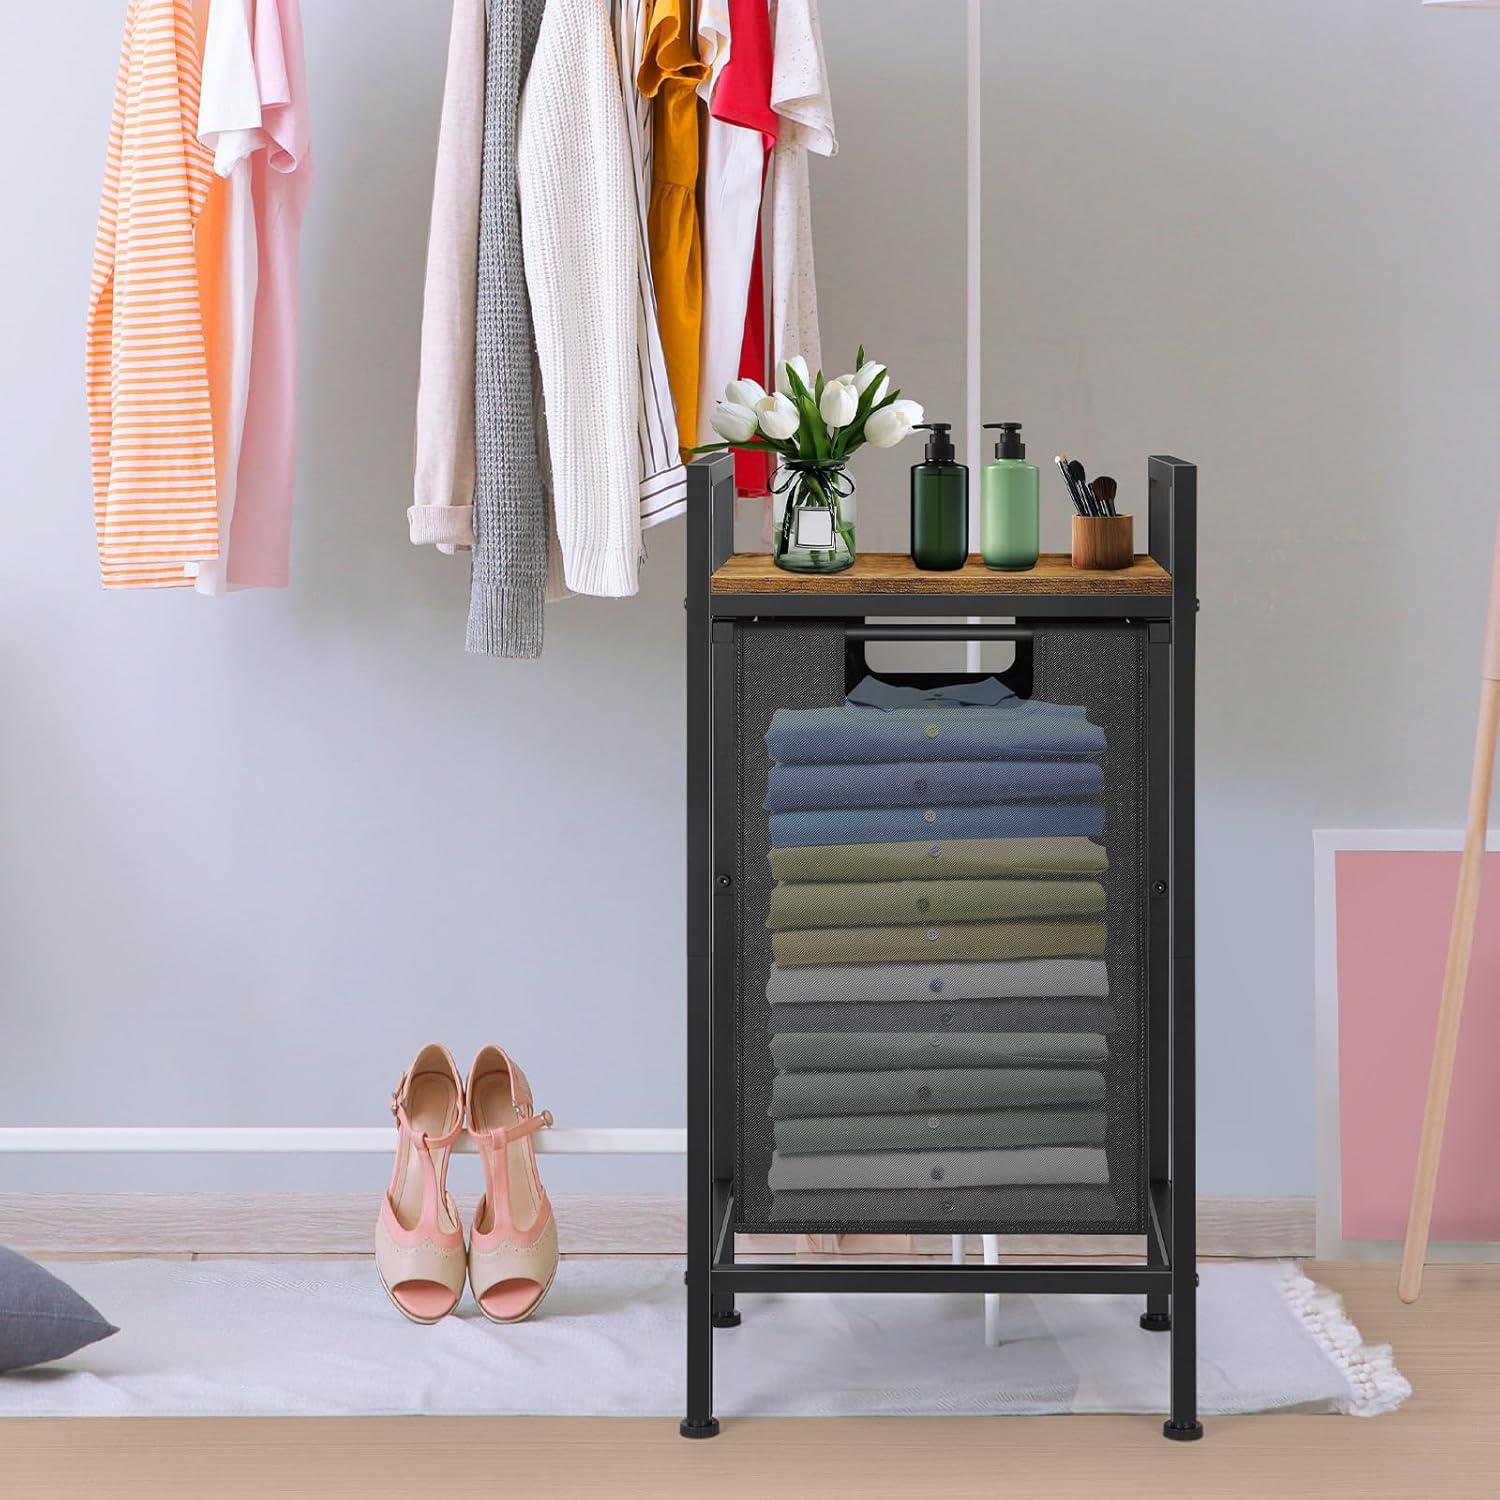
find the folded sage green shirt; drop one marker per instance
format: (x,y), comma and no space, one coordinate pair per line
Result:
(942,859)
(828,1051)
(874,903)
(968,1129)
(956,940)
(902,1092)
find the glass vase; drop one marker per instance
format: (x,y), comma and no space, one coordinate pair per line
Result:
(814,518)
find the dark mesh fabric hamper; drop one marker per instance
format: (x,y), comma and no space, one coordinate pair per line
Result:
(880,1085)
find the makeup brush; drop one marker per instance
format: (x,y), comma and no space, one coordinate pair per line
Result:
(1080,480)
(1104,490)
(1079,503)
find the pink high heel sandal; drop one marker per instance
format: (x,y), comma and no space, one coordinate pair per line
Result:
(419,1241)
(513,1245)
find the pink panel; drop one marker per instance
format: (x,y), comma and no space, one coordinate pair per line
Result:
(1394,911)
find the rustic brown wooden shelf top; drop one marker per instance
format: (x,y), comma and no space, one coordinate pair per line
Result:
(895,573)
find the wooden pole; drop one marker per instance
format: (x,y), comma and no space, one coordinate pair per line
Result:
(1460,946)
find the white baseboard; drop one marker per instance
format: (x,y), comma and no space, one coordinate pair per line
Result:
(588,1224)
(279,1140)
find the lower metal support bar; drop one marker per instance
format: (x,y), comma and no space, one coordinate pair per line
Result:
(1080,1280)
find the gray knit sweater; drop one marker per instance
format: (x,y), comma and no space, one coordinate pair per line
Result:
(510,503)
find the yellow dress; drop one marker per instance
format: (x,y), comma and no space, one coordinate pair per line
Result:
(669,75)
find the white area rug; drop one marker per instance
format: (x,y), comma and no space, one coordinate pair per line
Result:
(318,1338)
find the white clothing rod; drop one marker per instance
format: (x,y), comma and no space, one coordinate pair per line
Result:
(974,288)
(307,1139)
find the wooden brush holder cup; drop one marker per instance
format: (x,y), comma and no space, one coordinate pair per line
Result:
(1103,542)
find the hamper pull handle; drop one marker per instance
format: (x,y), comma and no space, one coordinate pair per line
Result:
(938,632)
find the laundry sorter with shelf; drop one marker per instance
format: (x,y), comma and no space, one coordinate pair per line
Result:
(1102,674)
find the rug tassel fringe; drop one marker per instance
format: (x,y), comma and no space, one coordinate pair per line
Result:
(1377,1384)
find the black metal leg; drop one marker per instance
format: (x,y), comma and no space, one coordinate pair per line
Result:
(700,1421)
(1174,530)
(707,544)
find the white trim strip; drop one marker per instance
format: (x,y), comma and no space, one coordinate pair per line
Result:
(305,1139)
(974,292)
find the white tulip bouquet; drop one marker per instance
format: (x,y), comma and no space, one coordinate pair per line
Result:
(813,420)
(813,424)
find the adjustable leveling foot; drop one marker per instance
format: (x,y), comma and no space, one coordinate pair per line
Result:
(1156,1322)
(730,1319)
(705,1429)
(1182,1432)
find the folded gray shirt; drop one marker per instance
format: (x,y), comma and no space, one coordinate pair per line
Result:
(940,1169)
(906,1090)
(965,1129)
(833,1051)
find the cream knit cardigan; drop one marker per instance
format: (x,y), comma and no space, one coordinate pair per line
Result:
(578,236)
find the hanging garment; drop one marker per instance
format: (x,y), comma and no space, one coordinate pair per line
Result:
(442,509)
(714,43)
(229,120)
(799,96)
(509,582)
(156,505)
(669,75)
(280,176)
(741,129)
(663,479)
(578,235)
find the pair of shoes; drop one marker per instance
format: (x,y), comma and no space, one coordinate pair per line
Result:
(511,1257)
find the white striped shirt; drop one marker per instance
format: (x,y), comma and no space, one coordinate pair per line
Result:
(663,479)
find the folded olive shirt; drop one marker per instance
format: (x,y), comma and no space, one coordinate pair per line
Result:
(957,940)
(962,1128)
(910,1089)
(879,983)
(874,903)
(829,1051)
(941,859)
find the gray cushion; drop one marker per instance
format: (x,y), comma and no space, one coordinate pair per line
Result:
(41,1318)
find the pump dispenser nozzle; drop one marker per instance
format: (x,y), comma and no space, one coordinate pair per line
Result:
(939,445)
(1010,444)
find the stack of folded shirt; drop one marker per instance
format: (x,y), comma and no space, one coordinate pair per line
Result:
(939,1000)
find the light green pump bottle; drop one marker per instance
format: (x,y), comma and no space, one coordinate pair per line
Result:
(1009,504)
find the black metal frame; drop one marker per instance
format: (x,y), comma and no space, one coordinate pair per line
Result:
(1168,1280)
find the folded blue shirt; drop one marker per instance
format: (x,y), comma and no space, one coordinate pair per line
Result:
(923,783)
(881,825)
(873,693)
(1019,727)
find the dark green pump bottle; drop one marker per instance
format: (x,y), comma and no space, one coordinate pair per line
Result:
(939,505)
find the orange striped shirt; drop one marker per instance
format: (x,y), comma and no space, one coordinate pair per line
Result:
(152,433)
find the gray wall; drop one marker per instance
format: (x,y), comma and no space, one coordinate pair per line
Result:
(256,850)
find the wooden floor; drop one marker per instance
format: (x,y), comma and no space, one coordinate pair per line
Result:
(1445,1442)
